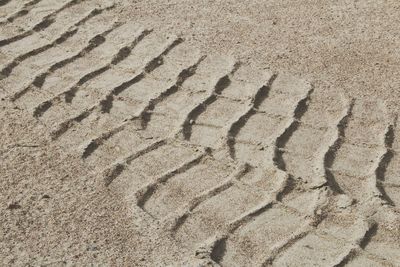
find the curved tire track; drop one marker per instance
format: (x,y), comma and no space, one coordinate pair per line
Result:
(261,155)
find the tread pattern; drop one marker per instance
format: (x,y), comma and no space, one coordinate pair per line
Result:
(35,23)
(265,170)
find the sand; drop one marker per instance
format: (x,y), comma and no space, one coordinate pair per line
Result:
(199,133)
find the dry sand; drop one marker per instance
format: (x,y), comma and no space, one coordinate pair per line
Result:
(195,133)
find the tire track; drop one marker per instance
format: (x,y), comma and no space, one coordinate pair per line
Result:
(45,22)
(235,127)
(300,225)
(71,30)
(39,79)
(328,159)
(324,123)
(144,114)
(178,217)
(284,152)
(366,153)
(382,164)
(20,11)
(307,230)
(241,181)
(360,243)
(8,7)
(327,249)
(367,259)
(139,191)
(381,242)
(220,244)
(216,247)
(256,138)
(222,83)
(112,172)
(243,219)
(282,140)
(100,108)
(144,194)
(259,209)
(148,153)
(172,111)
(229,105)
(4,2)
(329,156)
(111,139)
(70,92)
(388,181)
(106,103)
(84,67)
(343,136)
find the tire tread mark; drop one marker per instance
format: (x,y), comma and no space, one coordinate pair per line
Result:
(40,78)
(8,7)
(70,92)
(383,163)
(274,198)
(280,164)
(358,246)
(104,104)
(371,226)
(113,171)
(43,24)
(8,68)
(378,167)
(312,222)
(177,218)
(284,189)
(214,247)
(284,245)
(235,127)
(152,64)
(330,155)
(144,114)
(287,133)
(4,2)
(221,84)
(144,194)
(120,56)
(24,10)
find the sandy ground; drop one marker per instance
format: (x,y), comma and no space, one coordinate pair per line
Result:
(193,133)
